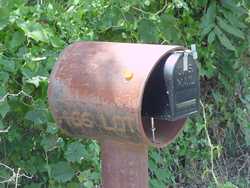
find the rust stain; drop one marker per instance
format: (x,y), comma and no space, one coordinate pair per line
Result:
(124,165)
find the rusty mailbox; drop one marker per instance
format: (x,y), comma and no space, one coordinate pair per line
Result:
(127,96)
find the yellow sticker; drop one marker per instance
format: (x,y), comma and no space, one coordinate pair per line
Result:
(128,75)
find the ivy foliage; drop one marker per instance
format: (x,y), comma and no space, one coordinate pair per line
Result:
(32,33)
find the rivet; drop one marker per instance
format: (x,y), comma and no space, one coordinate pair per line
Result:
(128,75)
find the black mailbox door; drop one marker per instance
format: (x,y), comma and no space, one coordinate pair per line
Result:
(182,83)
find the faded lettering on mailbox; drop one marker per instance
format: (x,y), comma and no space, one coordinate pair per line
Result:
(79,120)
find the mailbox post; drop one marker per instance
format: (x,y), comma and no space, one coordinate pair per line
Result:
(127,96)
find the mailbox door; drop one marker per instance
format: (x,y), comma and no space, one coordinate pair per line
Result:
(182,83)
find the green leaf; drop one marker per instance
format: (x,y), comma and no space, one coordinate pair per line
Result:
(4,17)
(4,108)
(17,39)
(247,134)
(153,165)
(2,91)
(83,176)
(4,77)
(208,20)
(73,185)
(75,152)
(156,183)
(52,128)
(156,156)
(37,116)
(167,20)
(147,2)
(49,142)
(207,30)
(233,7)
(227,185)
(87,178)
(88,184)
(62,172)
(33,185)
(230,28)
(30,69)
(170,34)
(111,17)
(37,80)
(223,39)
(34,30)
(234,20)
(211,12)
(211,37)
(1,125)
(247,97)
(147,31)
(8,65)
(4,173)
(56,42)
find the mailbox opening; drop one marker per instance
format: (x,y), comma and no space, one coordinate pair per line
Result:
(170,95)
(155,101)
(155,104)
